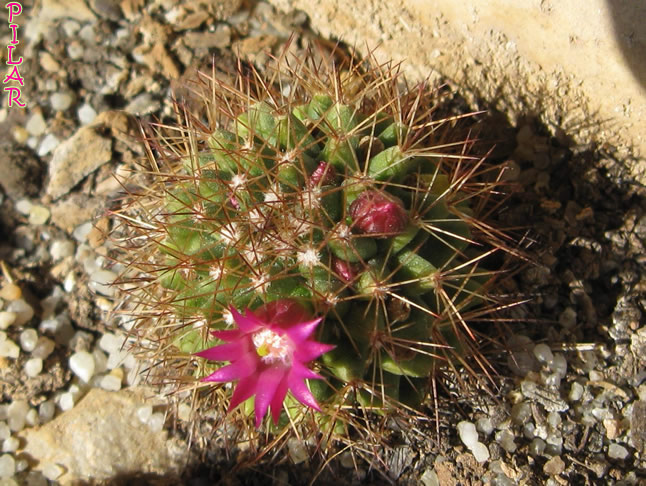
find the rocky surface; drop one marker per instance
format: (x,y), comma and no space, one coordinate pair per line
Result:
(568,405)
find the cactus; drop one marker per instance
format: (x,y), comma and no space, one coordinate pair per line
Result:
(333,190)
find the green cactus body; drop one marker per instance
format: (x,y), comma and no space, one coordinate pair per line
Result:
(271,206)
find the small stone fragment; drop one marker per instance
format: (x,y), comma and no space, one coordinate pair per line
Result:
(480,452)
(66,401)
(543,353)
(156,422)
(576,392)
(61,101)
(16,414)
(184,412)
(60,249)
(36,125)
(111,383)
(46,411)
(554,466)
(44,347)
(468,434)
(86,114)
(144,413)
(52,471)
(7,319)
(101,282)
(24,312)
(7,466)
(9,349)
(297,450)
(82,365)
(617,451)
(49,143)
(28,339)
(33,367)
(10,444)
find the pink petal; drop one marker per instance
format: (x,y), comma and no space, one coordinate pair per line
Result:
(301,371)
(301,393)
(244,389)
(241,368)
(310,350)
(268,382)
(247,323)
(302,331)
(224,352)
(279,398)
(228,335)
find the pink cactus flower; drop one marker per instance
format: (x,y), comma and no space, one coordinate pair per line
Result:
(269,353)
(376,212)
(345,270)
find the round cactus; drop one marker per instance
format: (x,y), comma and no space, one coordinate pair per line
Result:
(319,225)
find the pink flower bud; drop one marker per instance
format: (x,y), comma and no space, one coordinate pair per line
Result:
(322,175)
(344,270)
(376,212)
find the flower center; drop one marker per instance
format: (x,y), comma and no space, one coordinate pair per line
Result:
(272,347)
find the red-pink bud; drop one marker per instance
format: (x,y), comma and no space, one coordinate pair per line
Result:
(375,212)
(344,270)
(323,174)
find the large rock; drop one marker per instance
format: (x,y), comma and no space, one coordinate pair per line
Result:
(579,65)
(102,437)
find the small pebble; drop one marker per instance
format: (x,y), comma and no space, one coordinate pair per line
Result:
(7,466)
(32,419)
(537,447)
(24,206)
(52,471)
(468,434)
(60,249)
(520,413)
(49,143)
(7,319)
(81,231)
(86,114)
(101,282)
(5,433)
(567,318)
(100,361)
(484,425)
(33,367)
(28,339)
(144,413)
(506,440)
(480,452)
(297,450)
(543,353)
(44,347)
(46,411)
(61,101)
(10,445)
(24,312)
(36,125)
(38,215)
(66,401)
(16,414)
(554,466)
(82,365)
(111,383)
(9,349)
(184,412)
(576,392)
(617,451)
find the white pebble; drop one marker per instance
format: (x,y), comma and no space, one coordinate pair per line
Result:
(24,312)
(28,340)
(10,445)
(7,466)
(60,249)
(36,125)
(61,101)
(484,425)
(33,367)
(101,282)
(576,392)
(16,414)
(66,401)
(111,383)
(81,231)
(156,422)
(82,365)
(616,451)
(543,353)
(44,347)
(506,440)
(49,143)
(24,206)
(144,413)
(100,361)
(52,471)
(38,215)
(110,343)
(86,114)
(32,419)
(116,359)
(70,282)
(5,433)
(480,452)
(468,434)
(46,411)
(7,319)
(559,365)
(9,349)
